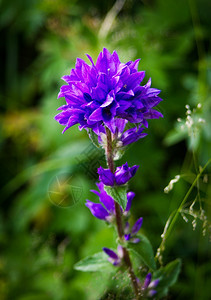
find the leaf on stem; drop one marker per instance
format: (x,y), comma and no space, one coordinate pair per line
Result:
(167,277)
(119,194)
(144,251)
(97,262)
(93,137)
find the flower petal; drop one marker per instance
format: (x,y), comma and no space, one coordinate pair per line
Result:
(110,253)
(147,281)
(130,196)
(106,176)
(106,199)
(137,226)
(97,210)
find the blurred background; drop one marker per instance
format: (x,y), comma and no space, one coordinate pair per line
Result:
(46,177)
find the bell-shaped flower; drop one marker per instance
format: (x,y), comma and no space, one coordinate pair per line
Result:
(106,176)
(124,173)
(104,210)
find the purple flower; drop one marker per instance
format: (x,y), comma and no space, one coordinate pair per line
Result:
(106,209)
(137,226)
(132,135)
(130,196)
(97,94)
(106,176)
(120,136)
(114,258)
(147,281)
(97,210)
(122,175)
(149,285)
(130,236)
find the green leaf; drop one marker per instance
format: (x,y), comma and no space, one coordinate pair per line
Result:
(119,194)
(168,276)
(97,262)
(144,251)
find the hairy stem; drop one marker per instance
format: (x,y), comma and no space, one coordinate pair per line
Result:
(126,257)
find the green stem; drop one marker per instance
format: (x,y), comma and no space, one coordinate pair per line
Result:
(170,227)
(126,257)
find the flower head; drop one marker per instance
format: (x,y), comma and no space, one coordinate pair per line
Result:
(98,94)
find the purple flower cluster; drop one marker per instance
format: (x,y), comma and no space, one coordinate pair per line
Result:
(105,210)
(108,93)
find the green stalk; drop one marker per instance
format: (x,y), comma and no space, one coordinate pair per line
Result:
(174,218)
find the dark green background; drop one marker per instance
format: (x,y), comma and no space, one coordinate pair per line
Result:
(41,241)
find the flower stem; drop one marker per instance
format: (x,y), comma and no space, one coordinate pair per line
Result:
(109,151)
(173,217)
(126,257)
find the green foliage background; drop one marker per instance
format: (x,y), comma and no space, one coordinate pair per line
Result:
(41,241)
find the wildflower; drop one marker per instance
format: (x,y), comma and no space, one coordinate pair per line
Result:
(114,258)
(130,196)
(106,209)
(99,93)
(130,236)
(120,136)
(149,285)
(122,175)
